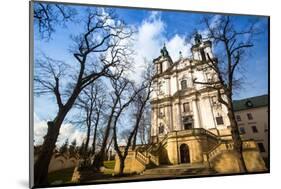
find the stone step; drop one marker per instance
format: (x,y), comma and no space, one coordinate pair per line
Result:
(182,169)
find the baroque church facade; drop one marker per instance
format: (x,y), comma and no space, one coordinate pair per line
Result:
(188,124)
(178,103)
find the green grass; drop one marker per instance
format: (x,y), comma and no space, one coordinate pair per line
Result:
(109,164)
(63,175)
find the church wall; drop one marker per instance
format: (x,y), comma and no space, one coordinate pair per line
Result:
(207,113)
(208,50)
(172,151)
(228,162)
(199,76)
(173,82)
(195,145)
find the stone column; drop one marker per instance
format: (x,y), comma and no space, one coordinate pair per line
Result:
(179,117)
(171,117)
(154,122)
(196,114)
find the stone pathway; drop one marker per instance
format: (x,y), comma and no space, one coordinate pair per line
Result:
(162,172)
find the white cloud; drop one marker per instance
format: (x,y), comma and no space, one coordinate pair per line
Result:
(40,130)
(67,131)
(149,40)
(177,44)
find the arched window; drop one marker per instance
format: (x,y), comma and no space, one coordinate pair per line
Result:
(183,84)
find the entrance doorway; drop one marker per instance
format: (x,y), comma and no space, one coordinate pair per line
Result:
(184,154)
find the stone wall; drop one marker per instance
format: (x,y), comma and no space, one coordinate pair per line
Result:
(132,165)
(61,161)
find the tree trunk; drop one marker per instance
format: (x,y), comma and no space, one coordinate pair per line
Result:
(95,136)
(107,150)
(122,166)
(135,140)
(87,138)
(238,145)
(98,161)
(41,166)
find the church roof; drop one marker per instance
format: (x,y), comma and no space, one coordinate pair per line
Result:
(249,103)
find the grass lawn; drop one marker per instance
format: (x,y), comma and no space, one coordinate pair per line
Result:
(109,164)
(63,176)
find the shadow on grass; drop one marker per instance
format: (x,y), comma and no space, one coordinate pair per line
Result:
(61,177)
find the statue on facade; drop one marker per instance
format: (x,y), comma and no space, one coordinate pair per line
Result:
(164,52)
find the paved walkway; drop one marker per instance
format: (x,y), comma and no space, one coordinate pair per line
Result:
(162,172)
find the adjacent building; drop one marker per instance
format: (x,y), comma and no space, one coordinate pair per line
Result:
(252,118)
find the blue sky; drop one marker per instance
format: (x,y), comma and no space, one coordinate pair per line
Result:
(154,28)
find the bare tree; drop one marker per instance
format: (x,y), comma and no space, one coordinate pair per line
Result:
(91,53)
(47,16)
(141,98)
(235,45)
(90,104)
(141,103)
(122,105)
(144,126)
(120,86)
(100,106)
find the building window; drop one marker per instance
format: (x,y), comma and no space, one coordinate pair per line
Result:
(219,120)
(187,126)
(254,129)
(186,107)
(161,112)
(161,68)
(238,117)
(242,130)
(183,84)
(261,147)
(250,116)
(161,128)
(187,122)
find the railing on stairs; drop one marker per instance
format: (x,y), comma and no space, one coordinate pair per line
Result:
(146,159)
(226,145)
(141,158)
(222,146)
(154,159)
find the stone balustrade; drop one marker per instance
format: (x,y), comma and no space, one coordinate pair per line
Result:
(154,159)
(227,145)
(142,158)
(194,131)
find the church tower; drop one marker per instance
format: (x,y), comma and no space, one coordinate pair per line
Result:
(163,62)
(201,50)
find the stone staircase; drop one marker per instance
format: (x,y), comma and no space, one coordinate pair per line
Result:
(149,159)
(181,169)
(226,145)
